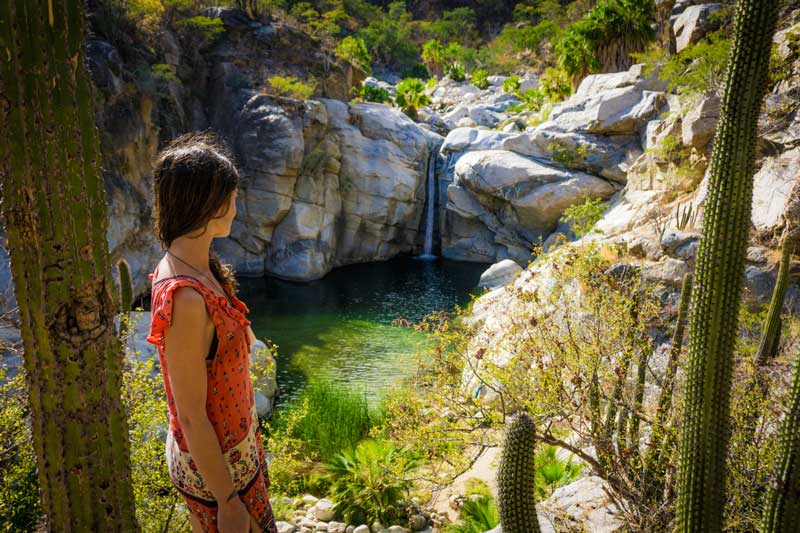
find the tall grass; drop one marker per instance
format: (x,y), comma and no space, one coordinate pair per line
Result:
(336,419)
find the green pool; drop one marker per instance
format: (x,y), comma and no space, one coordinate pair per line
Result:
(339,328)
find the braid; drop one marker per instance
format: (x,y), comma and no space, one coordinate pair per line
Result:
(223,272)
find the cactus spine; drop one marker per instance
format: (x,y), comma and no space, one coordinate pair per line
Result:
(782,506)
(516,478)
(54,212)
(720,263)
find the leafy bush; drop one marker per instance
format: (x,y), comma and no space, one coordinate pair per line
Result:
(552,472)
(532,99)
(353,49)
(159,507)
(367,93)
(503,53)
(291,87)
(555,84)
(390,39)
(207,28)
(20,508)
(456,72)
(584,216)
(478,514)
(459,24)
(511,85)
(480,79)
(699,67)
(417,71)
(367,482)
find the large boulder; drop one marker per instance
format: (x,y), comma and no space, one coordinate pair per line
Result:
(772,186)
(326,184)
(692,24)
(532,195)
(499,203)
(622,110)
(700,124)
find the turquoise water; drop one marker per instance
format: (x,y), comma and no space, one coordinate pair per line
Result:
(339,328)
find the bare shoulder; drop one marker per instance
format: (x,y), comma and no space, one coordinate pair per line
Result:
(189,306)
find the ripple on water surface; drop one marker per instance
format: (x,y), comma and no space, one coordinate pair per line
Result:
(339,328)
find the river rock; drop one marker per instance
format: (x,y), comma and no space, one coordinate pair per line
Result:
(285,527)
(323,510)
(363,528)
(417,522)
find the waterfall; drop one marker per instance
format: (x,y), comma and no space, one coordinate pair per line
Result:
(427,251)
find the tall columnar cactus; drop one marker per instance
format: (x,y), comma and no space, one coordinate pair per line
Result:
(771,333)
(516,478)
(125,295)
(654,460)
(54,212)
(782,509)
(720,265)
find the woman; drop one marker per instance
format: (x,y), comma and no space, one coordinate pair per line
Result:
(213,448)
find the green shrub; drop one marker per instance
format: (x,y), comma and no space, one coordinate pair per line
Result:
(511,85)
(584,216)
(164,72)
(457,24)
(371,481)
(367,93)
(353,49)
(20,508)
(555,84)
(480,79)
(552,472)
(159,507)
(207,28)
(699,67)
(477,515)
(390,38)
(291,87)
(456,72)
(532,99)
(417,71)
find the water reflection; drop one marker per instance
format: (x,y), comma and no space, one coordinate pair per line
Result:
(339,328)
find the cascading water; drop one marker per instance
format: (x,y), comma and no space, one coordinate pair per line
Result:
(427,251)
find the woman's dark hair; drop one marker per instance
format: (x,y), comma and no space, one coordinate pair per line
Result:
(192,180)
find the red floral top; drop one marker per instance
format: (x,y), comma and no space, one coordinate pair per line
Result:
(230,404)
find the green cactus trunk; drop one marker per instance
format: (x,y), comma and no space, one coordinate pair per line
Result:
(771,334)
(54,212)
(782,506)
(720,265)
(516,478)
(125,295)
(654,463)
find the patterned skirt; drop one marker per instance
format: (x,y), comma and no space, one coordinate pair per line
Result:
(248,469)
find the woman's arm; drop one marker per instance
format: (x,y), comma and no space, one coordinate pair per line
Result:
(185,352)
(251,335)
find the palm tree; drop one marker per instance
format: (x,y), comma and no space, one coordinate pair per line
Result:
(604,39)
(411,96)
(54,214)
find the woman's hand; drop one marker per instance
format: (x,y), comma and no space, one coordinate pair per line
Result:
(233,517)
